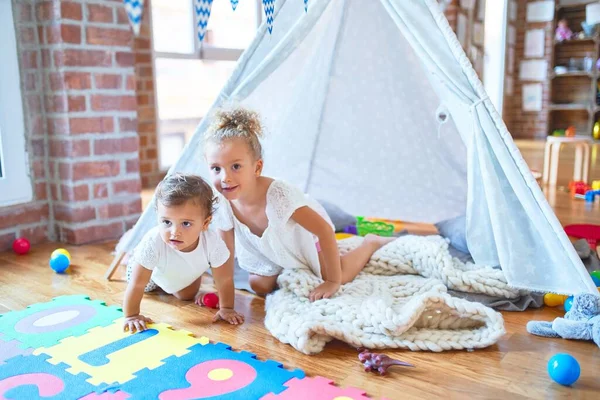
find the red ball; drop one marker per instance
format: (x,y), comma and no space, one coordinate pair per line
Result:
(210,300)
(21,246)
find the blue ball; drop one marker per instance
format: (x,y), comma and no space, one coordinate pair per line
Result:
(596,280)
(568,303)
(564,369)
(59,263)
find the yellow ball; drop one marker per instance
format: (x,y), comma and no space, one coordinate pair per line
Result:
(61,251)
(554,300)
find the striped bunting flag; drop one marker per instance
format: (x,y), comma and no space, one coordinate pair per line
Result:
(134,9)
(202,8)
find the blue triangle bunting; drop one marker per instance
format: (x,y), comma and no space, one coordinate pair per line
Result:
(134,9)
(202,8)
(269,6)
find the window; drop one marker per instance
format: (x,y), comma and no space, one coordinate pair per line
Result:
(495,50)
(171,145)
(189,74)
(15,184)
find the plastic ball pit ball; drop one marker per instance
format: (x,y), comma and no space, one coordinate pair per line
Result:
(568,303)
(61,251)
(21,246)
(564,369)
(60,263)
(210,300)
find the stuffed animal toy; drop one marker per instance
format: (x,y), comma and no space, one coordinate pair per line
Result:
(563,32)
(581,322)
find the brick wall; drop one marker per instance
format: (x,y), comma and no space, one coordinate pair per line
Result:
(91,111)
(521,124)
(452,13)
(81,112)
(147,115)
(31,220)
(472,48)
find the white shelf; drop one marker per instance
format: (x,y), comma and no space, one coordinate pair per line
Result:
(573,73)
(569,107)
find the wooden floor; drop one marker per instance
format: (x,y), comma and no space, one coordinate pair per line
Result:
(512,369)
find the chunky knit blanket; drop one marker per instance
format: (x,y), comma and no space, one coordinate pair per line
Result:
(400,300)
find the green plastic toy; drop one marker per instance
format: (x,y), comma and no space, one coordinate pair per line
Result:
(363,227)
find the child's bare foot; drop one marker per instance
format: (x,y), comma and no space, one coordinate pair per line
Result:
(378,241)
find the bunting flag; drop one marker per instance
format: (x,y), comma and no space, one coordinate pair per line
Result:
(202,15)
(306,5)
(135,10)
(234,4)
(269,6)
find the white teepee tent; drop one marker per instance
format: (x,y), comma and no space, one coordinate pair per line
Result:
(373,105)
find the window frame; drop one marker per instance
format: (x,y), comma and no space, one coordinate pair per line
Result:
(203,51)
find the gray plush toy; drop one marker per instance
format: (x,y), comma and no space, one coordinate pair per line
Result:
(582,321)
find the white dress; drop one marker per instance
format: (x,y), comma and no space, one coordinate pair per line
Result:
(284,243)
(174,270)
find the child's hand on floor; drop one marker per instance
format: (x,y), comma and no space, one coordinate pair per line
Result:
(324,291)
(136,323)
(229,315)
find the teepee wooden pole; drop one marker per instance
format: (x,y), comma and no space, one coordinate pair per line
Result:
(114,265)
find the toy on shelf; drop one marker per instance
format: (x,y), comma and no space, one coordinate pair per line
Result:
(21,246)
(588,29)
(596,131)
(563,32)
(595,185)
(375,362)
(564,369)
(571,131)
(365,227)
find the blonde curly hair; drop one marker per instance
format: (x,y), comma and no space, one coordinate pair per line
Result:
(236,122)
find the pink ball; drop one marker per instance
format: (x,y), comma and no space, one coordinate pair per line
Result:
(210,300)
(21,246)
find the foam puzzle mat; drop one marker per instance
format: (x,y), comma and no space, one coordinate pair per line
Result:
(74,348)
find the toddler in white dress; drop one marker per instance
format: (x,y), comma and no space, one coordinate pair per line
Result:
(176,253)
(271,224)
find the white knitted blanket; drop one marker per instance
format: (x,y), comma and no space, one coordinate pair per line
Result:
(400,300)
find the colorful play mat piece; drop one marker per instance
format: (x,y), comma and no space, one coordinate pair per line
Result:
(75,348)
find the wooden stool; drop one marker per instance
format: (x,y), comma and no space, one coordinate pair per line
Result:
(537,175)
(552,156)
